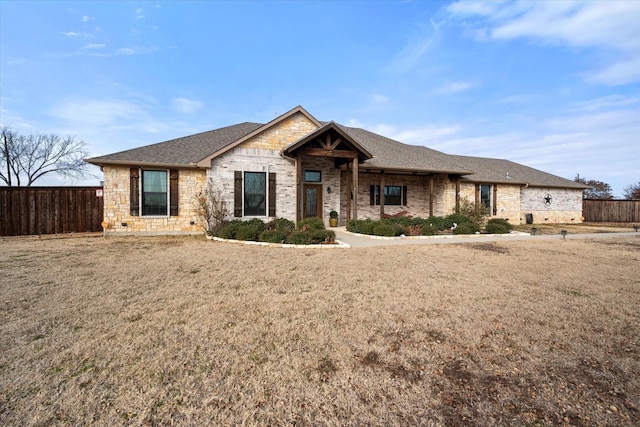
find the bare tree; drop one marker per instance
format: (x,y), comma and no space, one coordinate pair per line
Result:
(210,207)
(30,157)
(598,190)
(632,192)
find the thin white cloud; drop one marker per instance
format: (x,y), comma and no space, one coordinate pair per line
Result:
(420,135)
(416,47)
(71,34)
(185,105)
(139,13)
(127,51)
(611,26)
(605,103)
(378,99)
(93,46)
(454,87)
(86,18)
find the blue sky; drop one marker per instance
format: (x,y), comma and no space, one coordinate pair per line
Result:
(552,85)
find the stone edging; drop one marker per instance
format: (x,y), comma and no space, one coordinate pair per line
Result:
(445,236)
(338,245)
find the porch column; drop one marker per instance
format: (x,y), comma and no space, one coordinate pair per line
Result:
(355,187)
(457,194)
(431,195)
(299,195)
(348,192)
(381,195)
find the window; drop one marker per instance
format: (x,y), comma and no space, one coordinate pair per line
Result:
(153,192)
(255,194)
(392,195)
(312,176)
(485,195)
(252,195)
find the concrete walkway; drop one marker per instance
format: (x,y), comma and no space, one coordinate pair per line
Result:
(363,241)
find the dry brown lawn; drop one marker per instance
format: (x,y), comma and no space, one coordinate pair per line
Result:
(185,331)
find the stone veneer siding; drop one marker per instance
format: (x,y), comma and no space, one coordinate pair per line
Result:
(417,195)
(508,200)
(565,207)
(262,154)
(117,204)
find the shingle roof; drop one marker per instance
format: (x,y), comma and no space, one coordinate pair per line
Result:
(186,151)
(500,171)
(391,154)
(387,154)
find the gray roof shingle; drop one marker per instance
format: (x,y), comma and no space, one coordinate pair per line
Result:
(387,154)
(186,151)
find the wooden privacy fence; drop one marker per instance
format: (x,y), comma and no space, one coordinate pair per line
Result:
(50,210)
(611,210)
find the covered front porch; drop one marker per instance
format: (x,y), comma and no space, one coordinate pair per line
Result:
(322,158)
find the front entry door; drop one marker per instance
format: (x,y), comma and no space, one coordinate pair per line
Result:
(312,203)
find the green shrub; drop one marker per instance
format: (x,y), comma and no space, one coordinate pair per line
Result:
(436,222)
(476,212)
(362,226)
(383,229)
(466,228)
(274,236)
(498,226)
(429,229)
(229,230)
(281,224)
(298,237)
(319,236)
(250,230)
(313,223)
(459,219)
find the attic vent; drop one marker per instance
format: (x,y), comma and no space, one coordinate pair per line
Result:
(508,176)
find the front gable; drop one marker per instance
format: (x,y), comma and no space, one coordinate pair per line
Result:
(275,135)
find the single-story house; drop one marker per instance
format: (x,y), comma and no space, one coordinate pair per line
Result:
(297,167)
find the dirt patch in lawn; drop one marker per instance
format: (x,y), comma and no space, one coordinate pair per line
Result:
(159,331)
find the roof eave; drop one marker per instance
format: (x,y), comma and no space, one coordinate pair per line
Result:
(367,167)
(98,162)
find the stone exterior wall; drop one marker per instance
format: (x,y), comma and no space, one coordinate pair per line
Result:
(116,195)
(508,200)
(417,195)
(565,206)
(262,154)
(284,133)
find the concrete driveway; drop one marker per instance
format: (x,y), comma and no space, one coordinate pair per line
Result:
(363,241)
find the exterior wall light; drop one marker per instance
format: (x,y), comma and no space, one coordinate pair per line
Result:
(564,233)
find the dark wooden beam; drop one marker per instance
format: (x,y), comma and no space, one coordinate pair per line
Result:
(431,195)
(355,188)
(319,152)
(381,195)
(299,196)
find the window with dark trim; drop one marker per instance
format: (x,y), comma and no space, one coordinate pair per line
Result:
(255,194)
(312,176)
(485,195)
(252,195)
(394,195)
(153,192)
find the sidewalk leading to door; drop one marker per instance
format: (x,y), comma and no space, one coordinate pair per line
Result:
(364,241)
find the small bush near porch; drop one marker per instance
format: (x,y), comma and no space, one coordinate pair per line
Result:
(308,232)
